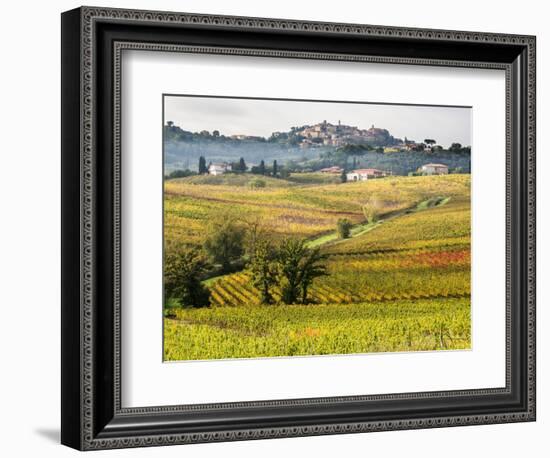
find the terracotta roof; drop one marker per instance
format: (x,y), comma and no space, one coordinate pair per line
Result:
(367,171)
(435,165)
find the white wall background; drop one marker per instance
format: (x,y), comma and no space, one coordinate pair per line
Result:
(30,240)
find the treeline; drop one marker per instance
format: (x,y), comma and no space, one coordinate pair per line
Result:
(281,270)
(399,163)
(272,170)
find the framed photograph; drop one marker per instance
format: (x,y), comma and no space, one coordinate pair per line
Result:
(276,228)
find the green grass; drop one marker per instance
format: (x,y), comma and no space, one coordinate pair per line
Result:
(290,330)
(232,179)
(312,178)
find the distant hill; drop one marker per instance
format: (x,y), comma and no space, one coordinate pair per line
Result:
(308,148)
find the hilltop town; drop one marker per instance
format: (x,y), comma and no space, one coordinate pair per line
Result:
(314,147)
(328,134)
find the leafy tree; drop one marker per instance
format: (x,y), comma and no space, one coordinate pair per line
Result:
(455,147)
(343,176)
(181,174)
(215,133)
(274,168)
(183,272)
(225,242)
(202,166)
(263,269)
(343,227)
(298,267)
(284,172)
(169,123)
(429,141)
(354,150)
(256,183)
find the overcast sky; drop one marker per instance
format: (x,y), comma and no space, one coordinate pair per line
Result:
(262,117)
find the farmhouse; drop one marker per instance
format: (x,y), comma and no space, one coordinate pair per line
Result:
(365,174)
(333,169)
(435,169)
(219,168)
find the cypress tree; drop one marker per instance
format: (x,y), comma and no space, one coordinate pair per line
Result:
(275,168)
(343,176)
(202,166)
(242,165)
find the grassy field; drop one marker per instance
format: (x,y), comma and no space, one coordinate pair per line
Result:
(401,283)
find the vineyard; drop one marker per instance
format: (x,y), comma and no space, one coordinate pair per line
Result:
(288,209)
(400,283)
(260,331)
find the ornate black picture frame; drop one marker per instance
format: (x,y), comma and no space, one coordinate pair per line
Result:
(92,41)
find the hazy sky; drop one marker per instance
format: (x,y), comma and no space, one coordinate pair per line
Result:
(262,117)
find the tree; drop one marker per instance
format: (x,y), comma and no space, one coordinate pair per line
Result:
(455,147)
(372,209)
(225,241)
(298,267)
(343,227)
(429,141)
(261,167)
(183,272)
(242,165)
(215,133)
(343,176)
(181,173)
(202,166)
(263,269)
(169,123)
(256,183)
(311,269)
(275,168)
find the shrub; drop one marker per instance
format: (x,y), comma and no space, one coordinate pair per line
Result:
(343,227)
(372,210)
(256,183)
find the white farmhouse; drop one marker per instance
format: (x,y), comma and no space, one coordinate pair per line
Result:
(364,174)
(219,168)
(435,169)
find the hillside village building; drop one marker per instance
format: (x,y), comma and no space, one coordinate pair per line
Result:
(340,134)
(219,168)
(435,169)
